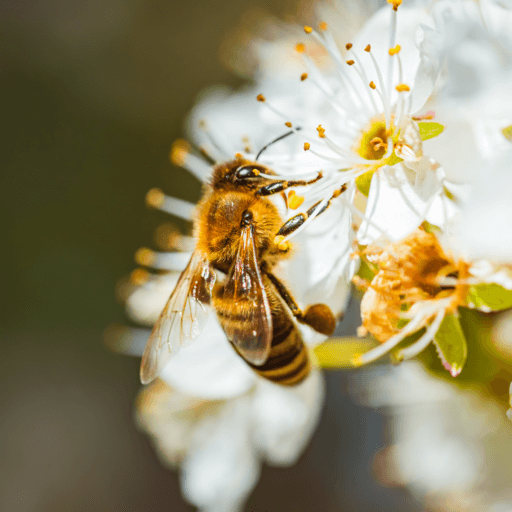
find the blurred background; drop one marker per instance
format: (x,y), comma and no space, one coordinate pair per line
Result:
(93,93)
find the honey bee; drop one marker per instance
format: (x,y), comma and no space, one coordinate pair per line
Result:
(235,228)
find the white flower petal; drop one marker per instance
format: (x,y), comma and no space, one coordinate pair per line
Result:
(485,226)
(221,468)
(399,200)
(210,367)
(285,418)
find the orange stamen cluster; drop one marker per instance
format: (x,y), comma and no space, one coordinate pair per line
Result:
(321,131)
(395,50)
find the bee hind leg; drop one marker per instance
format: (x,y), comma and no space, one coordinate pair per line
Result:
(318,316)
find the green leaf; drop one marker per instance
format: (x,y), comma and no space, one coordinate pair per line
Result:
(430,130)
(363,182)
(451,345)
(489,297)
(340,352)
(507,131)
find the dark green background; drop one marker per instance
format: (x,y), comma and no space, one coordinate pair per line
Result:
(93,93)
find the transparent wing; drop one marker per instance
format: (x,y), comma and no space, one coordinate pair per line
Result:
(250,328)
(182,319)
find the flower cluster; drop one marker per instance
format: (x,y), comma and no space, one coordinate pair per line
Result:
(410,125)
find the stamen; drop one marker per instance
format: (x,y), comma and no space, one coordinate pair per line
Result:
(381,81)
(392,39)
(181,156)
(402,88)
(322,26)
(300,48)
(307,29)
(157,199)
(348,46)
(395,4)
(261,98)
(288,124)
(303,77)
(423,342)
(392,342)
(281,243)
(395,50)
(139,276)
(172,261)
(307,146)
(372,85)
(321,131)
(350,62)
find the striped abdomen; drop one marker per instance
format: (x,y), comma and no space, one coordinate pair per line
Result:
(288,363)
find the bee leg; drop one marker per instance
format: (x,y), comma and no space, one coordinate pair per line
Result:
(279,186)
(295,222)
(318,316)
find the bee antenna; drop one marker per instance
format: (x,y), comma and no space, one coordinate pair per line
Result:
(291,132)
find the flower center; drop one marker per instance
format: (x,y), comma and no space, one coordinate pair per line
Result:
(372,144)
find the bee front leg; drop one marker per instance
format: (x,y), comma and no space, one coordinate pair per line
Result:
(295,222)
(318,316)
(279,186)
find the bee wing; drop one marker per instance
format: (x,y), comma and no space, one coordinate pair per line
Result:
(251,333)
(183,317)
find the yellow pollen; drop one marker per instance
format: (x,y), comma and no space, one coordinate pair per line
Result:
(372,85)
(321,131)
(260,97)
(322,26)
(295,201)
(307,145)
(281,244)
(348,46)
(256,172)
(395,4)
(139,276)
(291,194)
(357,361)
(179,151)
(288,124)
(367,48)
(155,197)
(307,29)
(402,88)
(350,62)
(239,156)
(301,47)
(303,77)
(145,257)
(395,50)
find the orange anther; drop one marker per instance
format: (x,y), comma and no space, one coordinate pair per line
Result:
(260,97)
(307,29)
(348,46)
(402,88)
(372,85)
(307,145)
(322,25)
(367,48)
(350,62)
(395,50)
(288,124)
(301,47)
(303,77)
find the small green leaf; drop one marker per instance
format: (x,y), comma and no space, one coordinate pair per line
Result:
(365,271)
(451,345)
(489,297)
(430,130)
(507,131)
(339,352)
(393,159)
(363,182)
